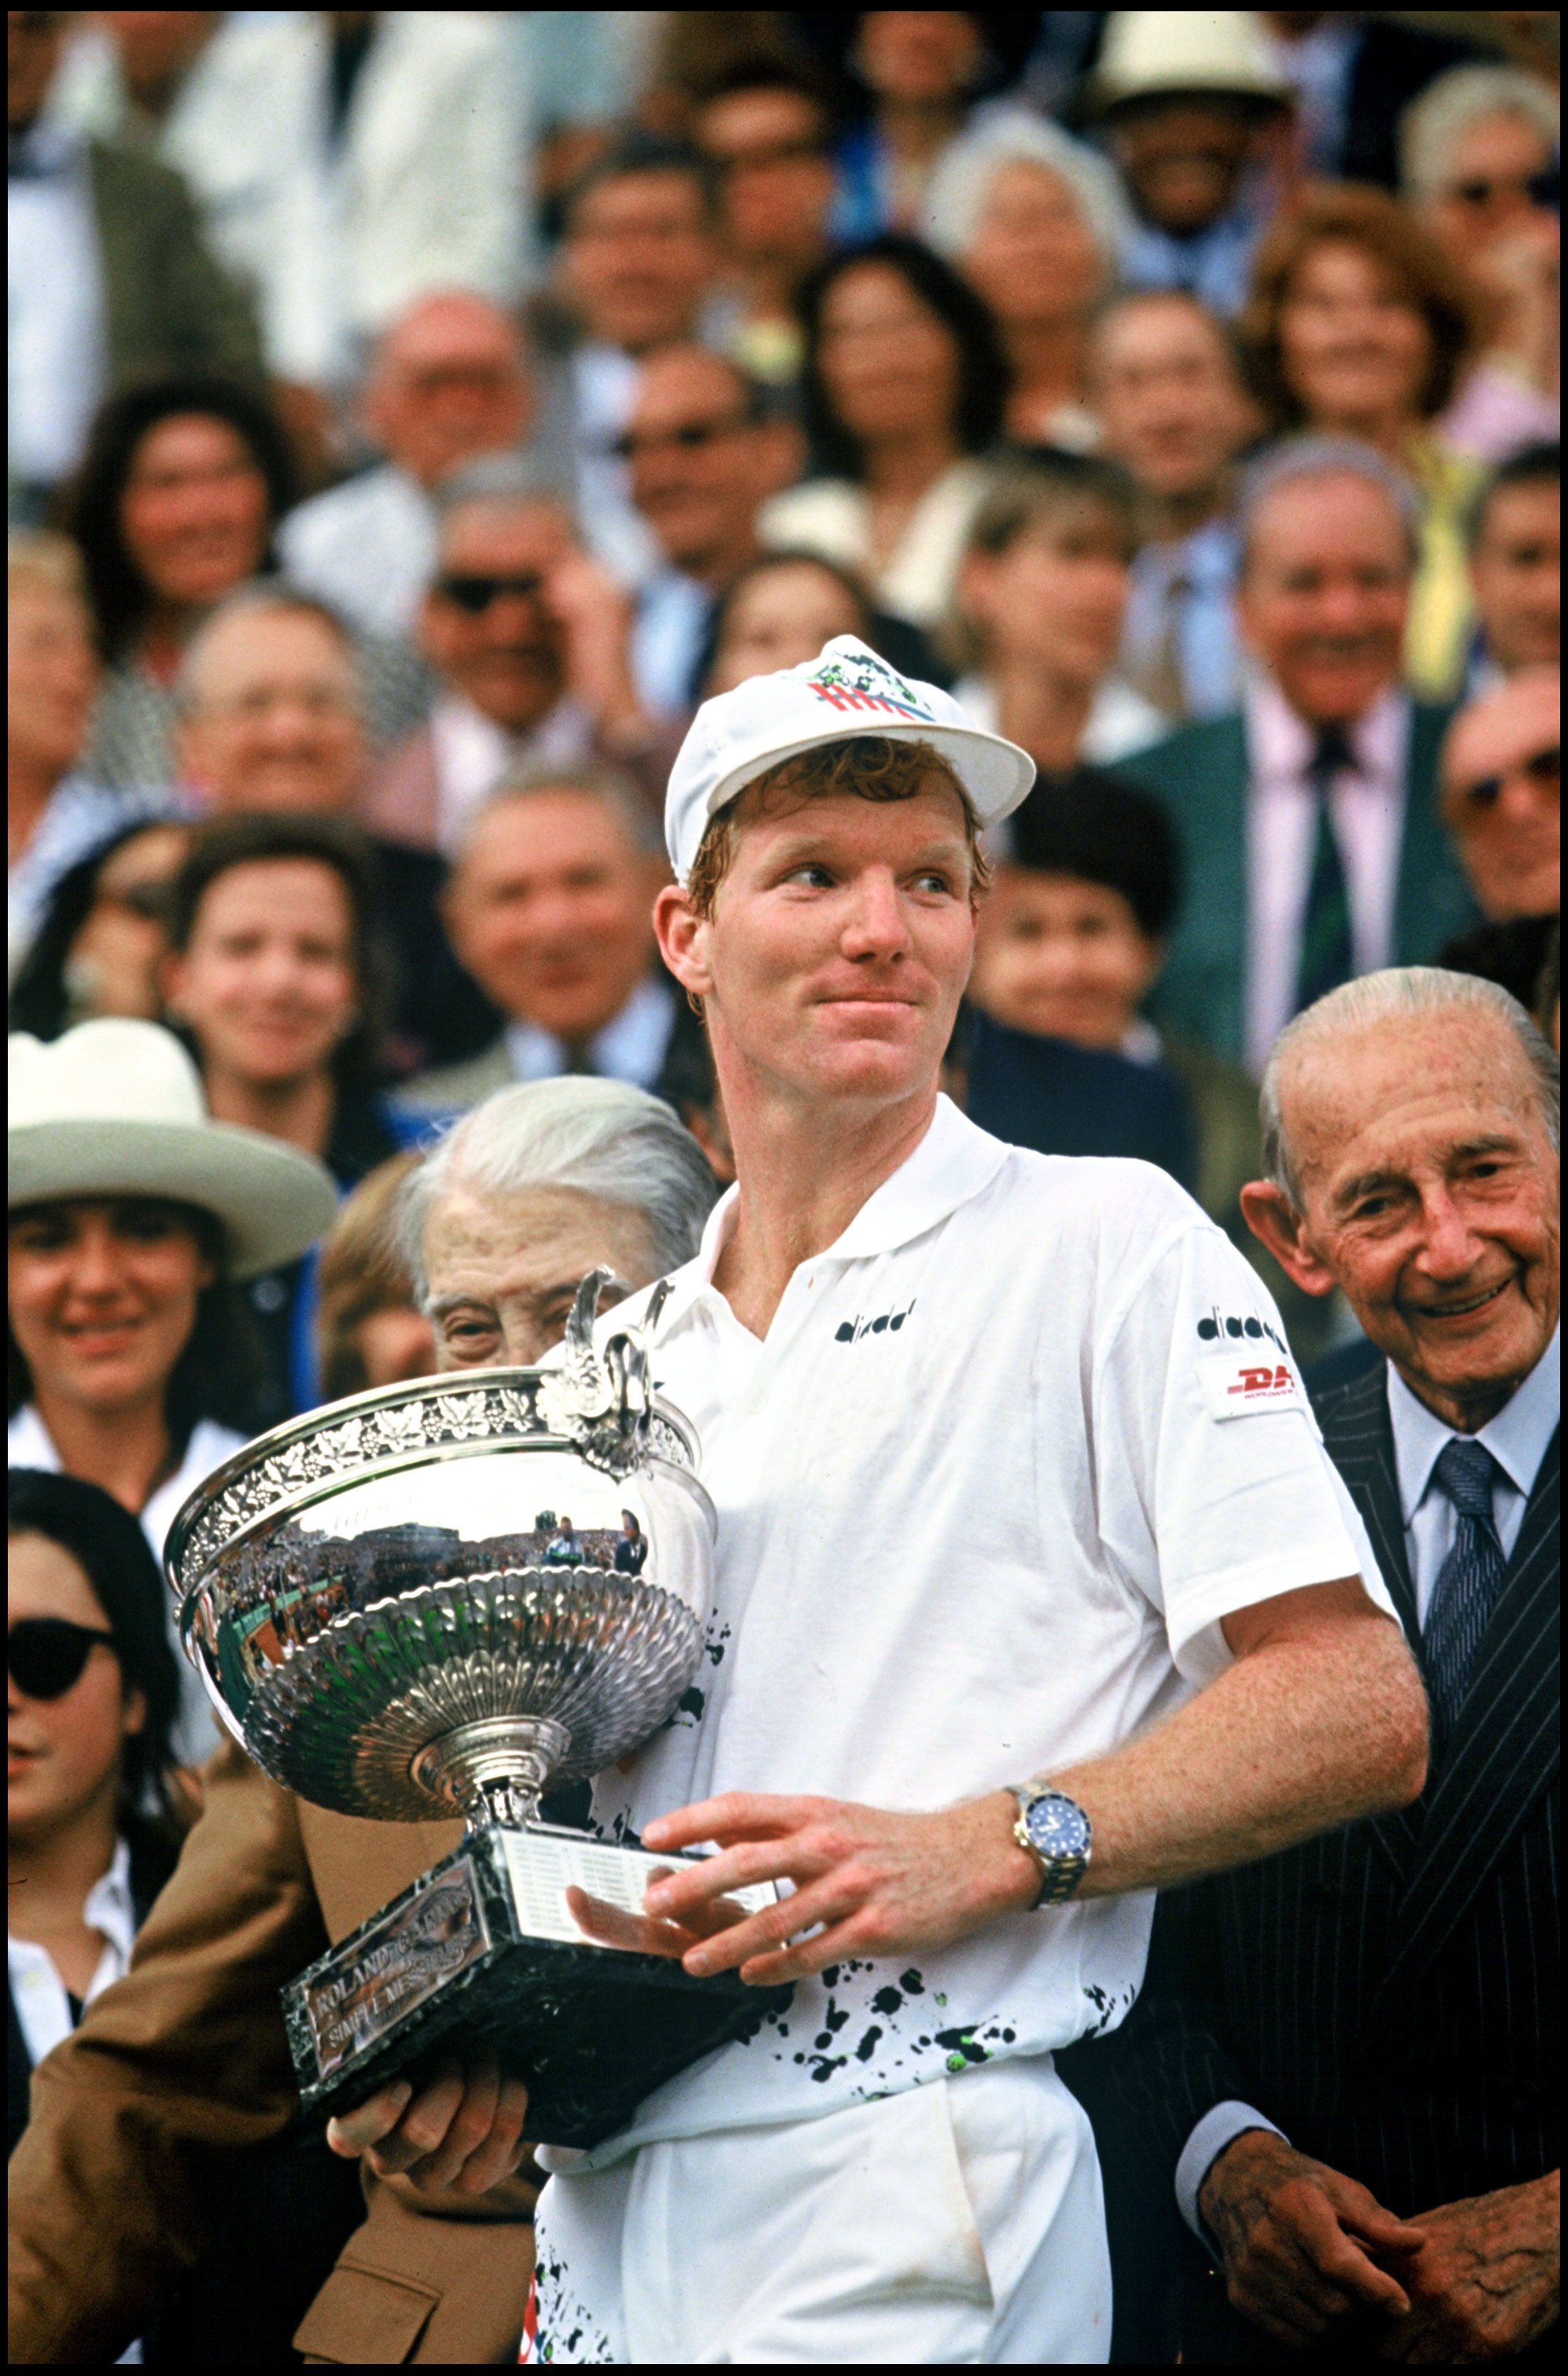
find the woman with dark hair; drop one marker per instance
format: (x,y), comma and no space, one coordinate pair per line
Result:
(131,1357)
(181,489)
(1359,326)
(274,977)
(781,610)
(95,1806)
(904,387)
(102,936)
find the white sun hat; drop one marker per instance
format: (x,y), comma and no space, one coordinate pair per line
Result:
(1159,50)
(114,1108)
(847,690)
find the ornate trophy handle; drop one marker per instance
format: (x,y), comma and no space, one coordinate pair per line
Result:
(601,1400)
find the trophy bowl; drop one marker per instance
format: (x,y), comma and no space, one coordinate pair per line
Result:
(445,1597)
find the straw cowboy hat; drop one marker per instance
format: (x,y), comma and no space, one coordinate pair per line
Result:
(1167,50)
(116,1108)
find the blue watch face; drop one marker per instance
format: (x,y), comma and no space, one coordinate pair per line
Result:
(1057,1827)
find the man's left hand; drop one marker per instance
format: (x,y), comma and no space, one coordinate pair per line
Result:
(877,1884)
(1486,2282)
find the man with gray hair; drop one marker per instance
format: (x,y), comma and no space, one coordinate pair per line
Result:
(174,2072)
(1345,2055)
(528,638)
(1309,815)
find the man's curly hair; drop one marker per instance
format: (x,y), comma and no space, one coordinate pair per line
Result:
(872,767)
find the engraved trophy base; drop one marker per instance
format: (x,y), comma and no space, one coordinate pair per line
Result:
(485,1947)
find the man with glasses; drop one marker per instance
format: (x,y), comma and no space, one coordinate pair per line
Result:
(704,452)
(765,128)
(527,637)
(448,382)
(1502,795)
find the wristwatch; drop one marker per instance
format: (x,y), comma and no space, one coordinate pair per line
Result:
(1055,1831)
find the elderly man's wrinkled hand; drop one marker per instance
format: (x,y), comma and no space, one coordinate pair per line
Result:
(1487,2281)
(1298,2239)
(461,2131)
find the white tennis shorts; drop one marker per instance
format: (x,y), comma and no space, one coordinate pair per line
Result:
(960,2221)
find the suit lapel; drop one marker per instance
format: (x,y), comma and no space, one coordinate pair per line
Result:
(1505,1748)
(1432,900)
(1360,1441)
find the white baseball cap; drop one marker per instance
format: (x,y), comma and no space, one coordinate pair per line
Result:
(846,690)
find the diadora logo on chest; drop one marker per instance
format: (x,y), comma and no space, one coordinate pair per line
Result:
(849,1332)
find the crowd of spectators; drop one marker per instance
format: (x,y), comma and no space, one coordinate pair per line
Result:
(414,417)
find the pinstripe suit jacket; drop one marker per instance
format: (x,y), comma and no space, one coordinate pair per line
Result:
(1388,1992)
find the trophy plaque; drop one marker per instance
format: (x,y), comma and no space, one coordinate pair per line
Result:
(447,1598)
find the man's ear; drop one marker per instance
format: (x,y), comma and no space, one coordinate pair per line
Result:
(682,934)
(1276,1223)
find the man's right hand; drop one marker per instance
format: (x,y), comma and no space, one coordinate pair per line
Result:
(463,2130)
(1298,2239)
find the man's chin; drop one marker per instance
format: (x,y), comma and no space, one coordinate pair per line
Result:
(1495,1343)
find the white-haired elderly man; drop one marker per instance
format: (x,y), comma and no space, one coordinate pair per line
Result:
(1309,815)
(1345,2055)
(139,2122)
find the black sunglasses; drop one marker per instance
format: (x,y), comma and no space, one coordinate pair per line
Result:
(689,437)
(44,1656)
(1543,768)
(475,594)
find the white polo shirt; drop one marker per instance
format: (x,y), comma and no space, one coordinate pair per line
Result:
(1011,1449)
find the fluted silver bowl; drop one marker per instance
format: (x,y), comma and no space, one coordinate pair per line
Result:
(384,1599)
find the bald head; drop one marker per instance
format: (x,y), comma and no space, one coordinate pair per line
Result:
(271,704)
(448,384)
(1502,795)
(1411,1127)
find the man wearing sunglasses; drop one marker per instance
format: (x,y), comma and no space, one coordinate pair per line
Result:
(702,451)
(527,637)
(1502,795)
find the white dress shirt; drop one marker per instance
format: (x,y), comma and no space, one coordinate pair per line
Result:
(473,755)
(55,330)
(39,1993)
(368,548)
(630,1048)
(1518,1439)
(1120,720)
(1366,805)
(30,1445)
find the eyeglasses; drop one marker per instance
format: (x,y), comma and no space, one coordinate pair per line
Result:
(475,594)
(1542,768)
(45,1656)
(687,438)
(1542,189)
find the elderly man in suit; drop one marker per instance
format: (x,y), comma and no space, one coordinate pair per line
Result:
(1309,815)
(1345,2055)
(133,2151)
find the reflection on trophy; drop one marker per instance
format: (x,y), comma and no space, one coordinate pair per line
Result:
(406,1605)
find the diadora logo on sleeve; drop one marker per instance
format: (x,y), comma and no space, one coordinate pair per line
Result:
(1216,1324)
(849,1332)
(867,684)
(1234,1384)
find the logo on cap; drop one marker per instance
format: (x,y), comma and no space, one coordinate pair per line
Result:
(867,684)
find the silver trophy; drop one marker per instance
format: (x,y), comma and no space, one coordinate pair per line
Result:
(446,1599)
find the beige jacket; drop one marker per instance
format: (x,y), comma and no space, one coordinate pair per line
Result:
(111,2185)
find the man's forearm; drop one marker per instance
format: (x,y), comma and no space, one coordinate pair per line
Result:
(1321,1718)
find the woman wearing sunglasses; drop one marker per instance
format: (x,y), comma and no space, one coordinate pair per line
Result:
(131,1213)
(93,1798)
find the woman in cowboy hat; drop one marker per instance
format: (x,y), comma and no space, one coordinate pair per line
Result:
(130,1213)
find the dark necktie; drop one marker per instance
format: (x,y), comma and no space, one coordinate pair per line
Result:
(1469,1580)
(1327,956)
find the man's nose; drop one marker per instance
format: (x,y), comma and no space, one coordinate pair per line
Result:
(1449,1244)
(877,925)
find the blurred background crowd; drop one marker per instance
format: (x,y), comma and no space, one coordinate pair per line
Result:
(413,416)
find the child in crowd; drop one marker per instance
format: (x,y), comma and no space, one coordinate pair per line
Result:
(1071,942)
